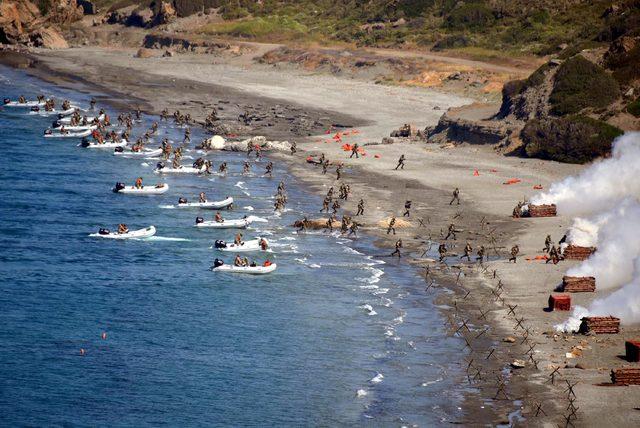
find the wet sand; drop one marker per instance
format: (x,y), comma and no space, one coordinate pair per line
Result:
(193,83)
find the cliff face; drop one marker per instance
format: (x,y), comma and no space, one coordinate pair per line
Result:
(23,23)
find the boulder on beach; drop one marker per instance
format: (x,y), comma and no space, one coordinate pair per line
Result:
(317,223)
(400,223)
(48,38)
(218,143)
(145,53)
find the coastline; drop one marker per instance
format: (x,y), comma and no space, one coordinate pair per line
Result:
(431,174)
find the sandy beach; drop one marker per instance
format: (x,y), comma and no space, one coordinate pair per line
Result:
(479,309)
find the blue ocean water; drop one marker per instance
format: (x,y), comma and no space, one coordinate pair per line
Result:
(185,346)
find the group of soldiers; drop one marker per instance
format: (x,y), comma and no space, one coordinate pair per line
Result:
(281,198)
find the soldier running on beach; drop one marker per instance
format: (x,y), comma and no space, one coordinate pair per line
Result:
(467,251)
(451,232)
(329,223)
(456,196)
(325,165)
(325,204)
(269,169)
(335,206)
(391,227)
(246,167)
(514,253)
(442,250)
(481,252)
(397,250)
(322,159)
(330,193)
(360,207)
(339,172)
(407,207)
(303,224)
(547,244)
(354,151)
(400,162)
(187,136)
(353,228)
(294,148)
(554,256)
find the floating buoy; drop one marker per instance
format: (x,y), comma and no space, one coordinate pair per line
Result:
(104,335)
(82,352)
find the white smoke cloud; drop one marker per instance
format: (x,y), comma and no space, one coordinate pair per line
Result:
(584,232)
(623,303)
(602,184)
(617,240)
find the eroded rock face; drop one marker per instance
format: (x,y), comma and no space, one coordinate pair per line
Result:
(165,14)
(64,11)
(15,19)
(48,38)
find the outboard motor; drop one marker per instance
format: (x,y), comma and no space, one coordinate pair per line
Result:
(217,263)
(182,200)
(119,187)
(35,109)
(160,165)
(55,124)
(119,150)
(220,244)
(84,142)
(199,220)
(103,231)
(6,100)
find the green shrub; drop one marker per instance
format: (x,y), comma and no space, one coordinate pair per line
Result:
(579,84)
(451,42)
(571,139)
(625,66)
(272,28)
(470,16)
(634,107)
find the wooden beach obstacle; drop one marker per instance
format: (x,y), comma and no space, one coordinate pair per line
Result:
(600,325)
(578,284)
(529,210)
(575,252)
(632,350)
(626,376)
(560,302)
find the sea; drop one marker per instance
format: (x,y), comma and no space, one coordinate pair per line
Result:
(97,332)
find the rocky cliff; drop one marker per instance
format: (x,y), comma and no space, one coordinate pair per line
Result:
(24,23)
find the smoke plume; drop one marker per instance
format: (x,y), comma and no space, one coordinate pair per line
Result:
(601,185)
(617,234)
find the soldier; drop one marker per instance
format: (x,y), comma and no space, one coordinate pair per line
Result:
(249,148)
(407,207)
(344,224)
(456,196)
(330,193)
(335,206)
(223,168)
(360,207)
(481,252)
(354,151)
(397,250)
(281,188)
(325,165)
(269,169)
(547,244)
(451,232)
(514,253)
(353,228)
(400,162)
(339,172)
(553,255)
(467,251)
(246,167)
(303,224)
(294,148)
(329,223)
(322,158)
(391,227)
(325,204)
(442,250)
(187,136)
